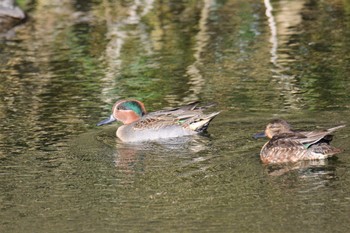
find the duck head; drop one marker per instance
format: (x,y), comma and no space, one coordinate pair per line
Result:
(125,111)
(275,127)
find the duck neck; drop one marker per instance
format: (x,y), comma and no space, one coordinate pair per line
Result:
(127,116)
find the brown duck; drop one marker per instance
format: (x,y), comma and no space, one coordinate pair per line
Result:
(286,145)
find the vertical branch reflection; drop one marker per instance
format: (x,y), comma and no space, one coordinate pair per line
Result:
(273,31)
(282,27)
(197,81)
(117,35)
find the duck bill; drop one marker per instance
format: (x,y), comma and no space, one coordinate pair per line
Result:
(107,121)
(259,135)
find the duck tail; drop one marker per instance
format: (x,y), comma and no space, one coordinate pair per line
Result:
(201,124)
(195,106)
(335,128)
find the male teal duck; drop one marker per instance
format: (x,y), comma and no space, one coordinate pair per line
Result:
(286,145)
(142,126)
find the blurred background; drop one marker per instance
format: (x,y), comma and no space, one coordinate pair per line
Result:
(63,63)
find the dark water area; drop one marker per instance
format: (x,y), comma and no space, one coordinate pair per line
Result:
(62,70)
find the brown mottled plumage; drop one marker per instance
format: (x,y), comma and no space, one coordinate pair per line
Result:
(286,145)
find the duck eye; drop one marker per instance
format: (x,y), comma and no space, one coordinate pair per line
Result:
(121,108)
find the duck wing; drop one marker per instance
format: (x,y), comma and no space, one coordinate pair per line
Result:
(312,137)
(189,109)
(286,140)
(151,121)
(193,120)
(283,148)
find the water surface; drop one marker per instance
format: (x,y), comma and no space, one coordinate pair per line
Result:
(63,69)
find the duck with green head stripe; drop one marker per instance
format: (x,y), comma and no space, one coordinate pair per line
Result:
(142,126)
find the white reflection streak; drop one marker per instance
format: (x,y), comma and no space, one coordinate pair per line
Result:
(196,79)
(273,29)
(287,17)
(118,35)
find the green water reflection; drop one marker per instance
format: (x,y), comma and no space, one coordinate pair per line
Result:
(63,69)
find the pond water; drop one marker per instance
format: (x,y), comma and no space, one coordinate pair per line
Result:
(62,70)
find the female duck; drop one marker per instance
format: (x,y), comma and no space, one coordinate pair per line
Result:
(286,145)
(142,126)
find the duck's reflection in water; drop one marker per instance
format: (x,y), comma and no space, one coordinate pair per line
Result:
(307,175)
(132,157)
(305,169)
